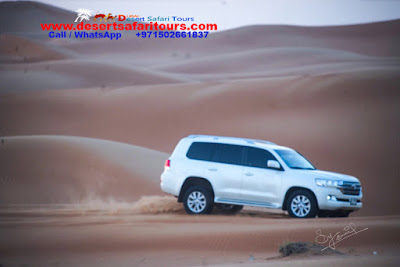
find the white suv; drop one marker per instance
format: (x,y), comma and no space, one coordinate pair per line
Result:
(228,172)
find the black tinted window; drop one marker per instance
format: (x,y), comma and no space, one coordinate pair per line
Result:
(258,157)
(231,154)
(201,151)
(223,153)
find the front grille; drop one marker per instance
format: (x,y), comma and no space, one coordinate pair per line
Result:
(350,188)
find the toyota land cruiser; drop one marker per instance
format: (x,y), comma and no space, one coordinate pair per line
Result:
(229,173)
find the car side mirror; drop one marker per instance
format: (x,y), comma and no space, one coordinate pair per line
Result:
(273,164)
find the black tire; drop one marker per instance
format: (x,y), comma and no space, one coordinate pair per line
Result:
(189,200)
(308,207)
(229,209)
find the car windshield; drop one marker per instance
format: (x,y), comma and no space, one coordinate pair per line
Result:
(294,160)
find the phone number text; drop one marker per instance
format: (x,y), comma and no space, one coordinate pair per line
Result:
(171,34)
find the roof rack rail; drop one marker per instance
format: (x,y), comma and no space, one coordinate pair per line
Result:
(251,141)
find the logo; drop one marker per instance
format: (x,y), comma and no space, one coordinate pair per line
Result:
(83,14)
(104,17)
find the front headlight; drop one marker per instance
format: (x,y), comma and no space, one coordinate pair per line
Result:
(328,183)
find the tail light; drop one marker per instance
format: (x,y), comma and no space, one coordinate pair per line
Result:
(167,164)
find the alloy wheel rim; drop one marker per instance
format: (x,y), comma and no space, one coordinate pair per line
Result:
(301,206)
(196,201)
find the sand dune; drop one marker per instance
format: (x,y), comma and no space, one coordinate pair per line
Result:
(62,169)
(266,51)
(276,61)
(15,49)
(69,74)
(353,38)
(24,18)
(337,119)
(373,39)
(16,14)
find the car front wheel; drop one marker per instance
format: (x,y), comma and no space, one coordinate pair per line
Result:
(302,204)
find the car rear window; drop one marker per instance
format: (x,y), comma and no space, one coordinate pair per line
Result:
(215,152)
(201,151)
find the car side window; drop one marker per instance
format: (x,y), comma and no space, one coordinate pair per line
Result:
(257,157)
(231,154)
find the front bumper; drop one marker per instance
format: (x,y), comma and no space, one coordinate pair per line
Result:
(334,199)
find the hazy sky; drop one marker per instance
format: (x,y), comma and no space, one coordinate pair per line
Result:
(235,13)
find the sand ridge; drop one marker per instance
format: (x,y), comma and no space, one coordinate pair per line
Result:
(66,169)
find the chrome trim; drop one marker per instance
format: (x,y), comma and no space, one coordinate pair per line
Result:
(247,203)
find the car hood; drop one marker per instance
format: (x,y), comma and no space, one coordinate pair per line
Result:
(331,175)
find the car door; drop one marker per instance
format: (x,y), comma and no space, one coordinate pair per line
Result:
(226,170)
(261,185)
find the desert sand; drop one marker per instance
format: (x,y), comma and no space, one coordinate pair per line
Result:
(85,128)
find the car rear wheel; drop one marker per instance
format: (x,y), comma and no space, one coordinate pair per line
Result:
(302,204)
(198,200)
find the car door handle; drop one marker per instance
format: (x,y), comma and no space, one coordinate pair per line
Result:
(213,169)
(248,174)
